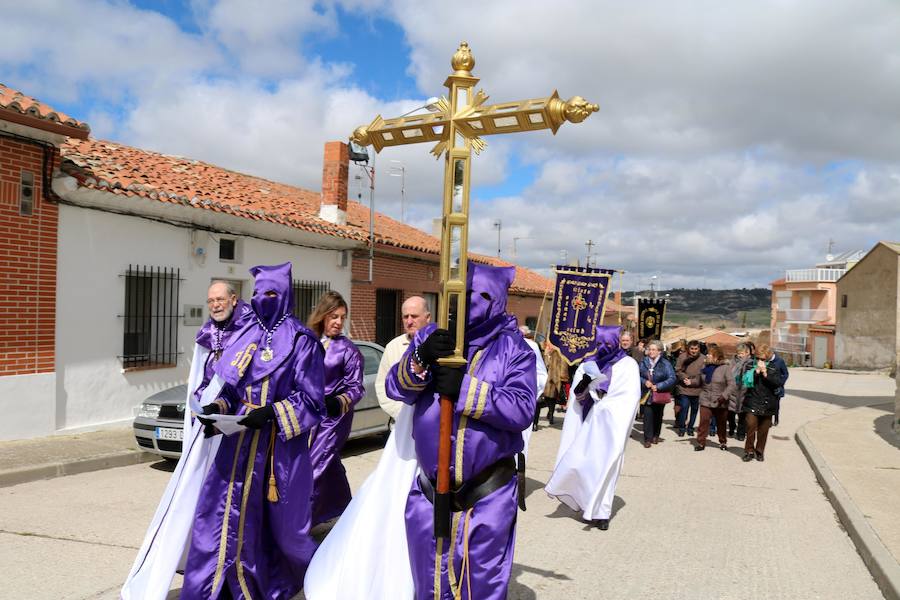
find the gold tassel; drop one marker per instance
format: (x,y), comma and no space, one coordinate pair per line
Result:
(272,496)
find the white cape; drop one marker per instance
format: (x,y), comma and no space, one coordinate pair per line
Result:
(591,452)
(167,537)
(541,373)
(365,555)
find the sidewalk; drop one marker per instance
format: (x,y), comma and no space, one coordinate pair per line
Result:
(22,461)
(856,459)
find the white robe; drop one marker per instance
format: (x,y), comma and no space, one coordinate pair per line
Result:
(541,373)
(166,540)
(365,555)
(591,452)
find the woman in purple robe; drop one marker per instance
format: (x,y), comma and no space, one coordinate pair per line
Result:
(343,389)
(251,529)
(494,401)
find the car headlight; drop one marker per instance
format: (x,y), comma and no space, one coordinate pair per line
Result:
(149,411)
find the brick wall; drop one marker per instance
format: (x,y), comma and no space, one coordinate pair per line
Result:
(412,276)
(27,266)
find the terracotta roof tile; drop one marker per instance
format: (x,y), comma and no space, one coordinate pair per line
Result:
(15,101)
(129,172)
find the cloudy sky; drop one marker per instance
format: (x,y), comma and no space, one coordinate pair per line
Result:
(734,140)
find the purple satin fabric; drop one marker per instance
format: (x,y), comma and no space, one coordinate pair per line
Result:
(260,548)
(496,402)
(344,370)
(211,334)
(234,366)
(608,353)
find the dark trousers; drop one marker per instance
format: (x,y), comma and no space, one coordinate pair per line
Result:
(737,423)
(653,414)
(757,433)
(707,415)
(687,412)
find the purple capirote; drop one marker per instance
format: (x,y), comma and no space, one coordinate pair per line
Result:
(496,402)
(609,352)
(241,539)
(343,379)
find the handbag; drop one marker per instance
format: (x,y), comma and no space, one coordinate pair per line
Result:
(662,397)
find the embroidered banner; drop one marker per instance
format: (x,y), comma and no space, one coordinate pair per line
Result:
(578,301)
(651,313)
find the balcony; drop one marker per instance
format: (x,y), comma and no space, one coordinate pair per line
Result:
(804,315)
(790,343)
(817,275)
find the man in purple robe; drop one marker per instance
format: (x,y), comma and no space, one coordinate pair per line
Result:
(251,529)
(494,400)
(228,314)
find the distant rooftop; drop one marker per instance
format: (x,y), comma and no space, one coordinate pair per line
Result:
(840,261)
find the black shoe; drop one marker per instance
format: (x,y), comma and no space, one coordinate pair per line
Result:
(698,448)
(760,457)
(690,432)
(723,447)
(741,437)
(681,433)
(601,524)
(748,456)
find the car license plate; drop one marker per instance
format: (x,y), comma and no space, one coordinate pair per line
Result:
(166,433)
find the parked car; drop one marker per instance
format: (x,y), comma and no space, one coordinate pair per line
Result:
(159,425)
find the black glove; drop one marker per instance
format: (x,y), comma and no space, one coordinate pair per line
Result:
(582,385)
(448,380)
(332,406)
(209,428)
(437,345)
(258,417)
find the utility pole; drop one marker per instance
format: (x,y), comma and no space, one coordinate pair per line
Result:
(498,224)
(590,244)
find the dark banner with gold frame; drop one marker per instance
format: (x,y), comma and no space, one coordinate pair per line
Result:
(651,313)
(578,302)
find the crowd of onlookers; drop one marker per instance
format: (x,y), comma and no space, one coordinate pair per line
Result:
(736,397)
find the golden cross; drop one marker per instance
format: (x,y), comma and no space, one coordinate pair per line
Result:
(456,129)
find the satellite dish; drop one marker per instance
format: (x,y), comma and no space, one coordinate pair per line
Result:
(829,257)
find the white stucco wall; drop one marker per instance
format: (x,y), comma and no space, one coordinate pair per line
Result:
(26,402)
(95,248)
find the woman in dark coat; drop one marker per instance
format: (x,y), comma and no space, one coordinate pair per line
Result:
(657,375)
(760,379)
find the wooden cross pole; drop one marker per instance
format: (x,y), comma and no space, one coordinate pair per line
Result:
(456,128)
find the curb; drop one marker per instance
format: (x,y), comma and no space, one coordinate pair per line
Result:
(61,469)
(880,562)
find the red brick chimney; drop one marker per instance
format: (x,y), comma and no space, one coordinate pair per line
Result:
(335,167)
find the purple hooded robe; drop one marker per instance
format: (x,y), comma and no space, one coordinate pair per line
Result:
(257,547)
(496,402)
(344,379)
(215,336)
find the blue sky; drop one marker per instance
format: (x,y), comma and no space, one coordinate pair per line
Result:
(734,140)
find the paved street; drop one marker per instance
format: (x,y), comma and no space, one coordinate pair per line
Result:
(687,525)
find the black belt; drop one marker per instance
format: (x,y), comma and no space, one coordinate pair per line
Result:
(489,480)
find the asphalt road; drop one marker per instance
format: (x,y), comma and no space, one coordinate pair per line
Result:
(686,524)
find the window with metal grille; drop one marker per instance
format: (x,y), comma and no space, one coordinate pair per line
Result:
(306,296)
(151,317)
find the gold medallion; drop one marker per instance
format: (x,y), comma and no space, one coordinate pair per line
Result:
(267,355)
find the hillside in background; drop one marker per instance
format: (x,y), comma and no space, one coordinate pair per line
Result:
(739,308)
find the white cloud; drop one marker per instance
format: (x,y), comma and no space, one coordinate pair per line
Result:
(733,141)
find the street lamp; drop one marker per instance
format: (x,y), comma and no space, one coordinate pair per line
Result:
(653,279)
(400,171)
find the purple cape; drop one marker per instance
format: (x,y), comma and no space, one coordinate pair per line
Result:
(608,353)
(496,402)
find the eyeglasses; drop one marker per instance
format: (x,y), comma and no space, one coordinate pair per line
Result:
(213,301)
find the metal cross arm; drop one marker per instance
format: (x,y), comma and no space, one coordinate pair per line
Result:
(456,129)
